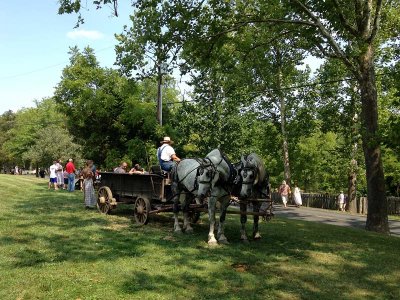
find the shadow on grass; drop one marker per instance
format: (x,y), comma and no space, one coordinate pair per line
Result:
(294,259)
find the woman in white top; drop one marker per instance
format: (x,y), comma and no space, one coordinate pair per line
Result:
(297,196)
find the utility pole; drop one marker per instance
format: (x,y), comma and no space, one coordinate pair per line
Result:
(161,70)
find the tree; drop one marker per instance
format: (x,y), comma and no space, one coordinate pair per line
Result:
(6,123)
(39,136)
(111,116)
(53,142)
(94,99)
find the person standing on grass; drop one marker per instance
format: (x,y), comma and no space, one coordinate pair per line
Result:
(341,202)
(60,174)
(88,188)
(53,175)
(284,191)
(70,168)
(65,175)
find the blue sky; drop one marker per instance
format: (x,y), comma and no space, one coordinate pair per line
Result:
(34,45)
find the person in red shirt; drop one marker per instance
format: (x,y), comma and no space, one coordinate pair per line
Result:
(70,168)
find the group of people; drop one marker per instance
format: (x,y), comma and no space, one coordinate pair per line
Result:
(64,178)
(60,177)
(284,192)
(166,157)
(123,168)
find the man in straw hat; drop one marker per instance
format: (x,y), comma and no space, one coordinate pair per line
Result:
(166,154)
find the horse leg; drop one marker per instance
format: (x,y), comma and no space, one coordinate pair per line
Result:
(221,227)
(243,220)
(256,209)
(177,227)
(186,223)
(211,216)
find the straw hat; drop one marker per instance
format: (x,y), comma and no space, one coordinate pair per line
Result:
(167,139)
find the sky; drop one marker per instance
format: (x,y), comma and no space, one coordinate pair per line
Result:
(34,45)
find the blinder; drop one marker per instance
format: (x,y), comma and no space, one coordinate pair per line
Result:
(206,168)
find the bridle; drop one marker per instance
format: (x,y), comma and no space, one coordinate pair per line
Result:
(206,165)
(245,171)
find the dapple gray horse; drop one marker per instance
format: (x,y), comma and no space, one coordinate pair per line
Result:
(220,192)
(254,185)
(192,179)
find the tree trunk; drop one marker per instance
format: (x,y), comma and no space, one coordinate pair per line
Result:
(351,196)
(352,182)
(377,219)
(282,109)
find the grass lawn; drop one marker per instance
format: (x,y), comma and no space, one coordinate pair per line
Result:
(52,248)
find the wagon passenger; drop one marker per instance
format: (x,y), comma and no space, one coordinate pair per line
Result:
(166,154)
(137,169)
(122,168)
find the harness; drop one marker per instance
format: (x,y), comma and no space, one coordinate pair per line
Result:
(203,164)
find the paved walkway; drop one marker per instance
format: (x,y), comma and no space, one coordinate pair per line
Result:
(329,217)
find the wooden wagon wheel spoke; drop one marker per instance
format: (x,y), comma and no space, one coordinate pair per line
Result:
(104,199)
(141,210)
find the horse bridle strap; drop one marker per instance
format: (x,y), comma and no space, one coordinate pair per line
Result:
(254,169)
(204,165)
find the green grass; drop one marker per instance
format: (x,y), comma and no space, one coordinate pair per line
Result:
(52,248)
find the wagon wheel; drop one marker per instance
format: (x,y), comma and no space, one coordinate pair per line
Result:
(141,211)
(104,199)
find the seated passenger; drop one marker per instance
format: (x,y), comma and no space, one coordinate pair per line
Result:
(166,155)
(137,169)
(122,168)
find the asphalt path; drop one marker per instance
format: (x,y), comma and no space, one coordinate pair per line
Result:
(329,217)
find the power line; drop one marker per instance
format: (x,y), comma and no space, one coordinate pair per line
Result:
(46,68)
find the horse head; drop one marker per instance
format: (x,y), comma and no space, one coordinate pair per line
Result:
(207,177)
(252,173)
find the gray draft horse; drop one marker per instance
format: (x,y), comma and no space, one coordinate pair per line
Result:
(192,180)
(254,185)
(221,192)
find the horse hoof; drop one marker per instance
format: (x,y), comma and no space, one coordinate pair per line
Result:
(257,236)
(189,230)
(212,242)
(178,230)
(245,241)
(223,241)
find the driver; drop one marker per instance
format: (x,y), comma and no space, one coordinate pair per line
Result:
(166,154)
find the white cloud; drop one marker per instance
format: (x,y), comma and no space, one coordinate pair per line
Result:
(85,34)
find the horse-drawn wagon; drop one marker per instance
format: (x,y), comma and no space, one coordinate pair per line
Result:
(198,185)
(149,193)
